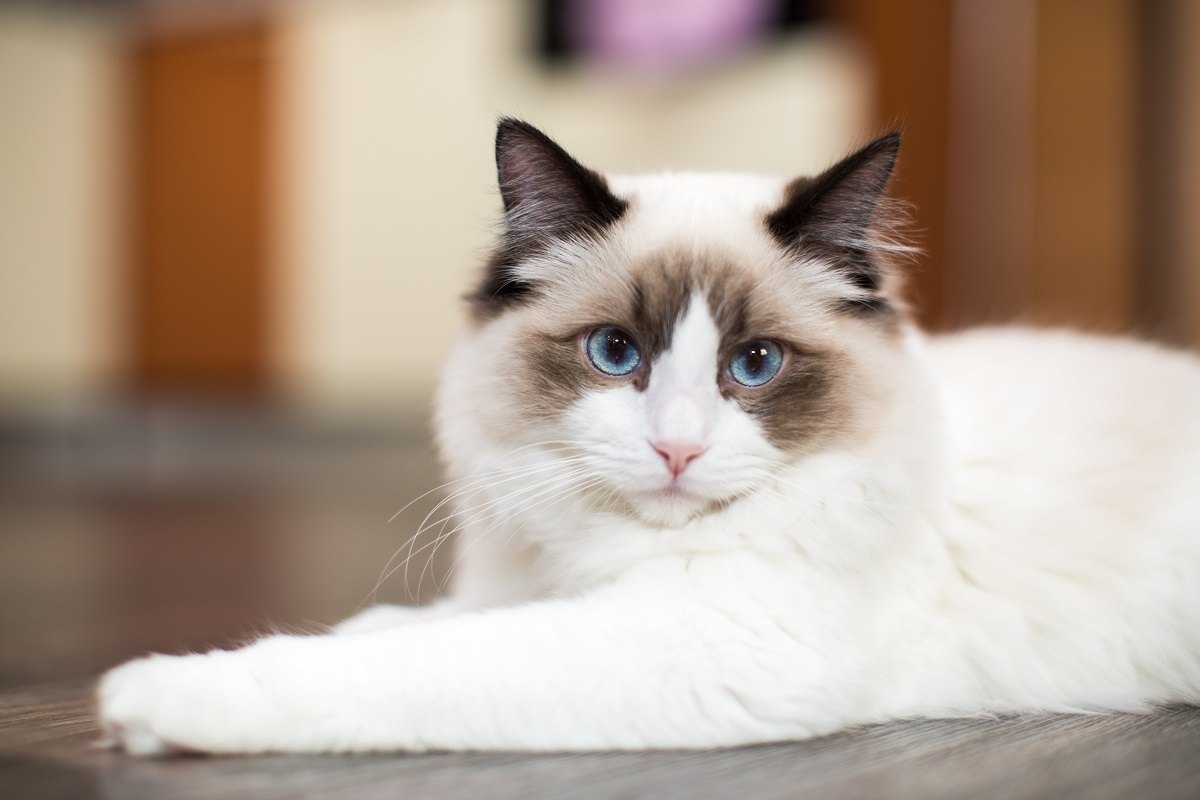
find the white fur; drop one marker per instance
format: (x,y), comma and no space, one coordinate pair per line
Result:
(1017,527)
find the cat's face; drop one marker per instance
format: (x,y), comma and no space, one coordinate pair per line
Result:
(681,338)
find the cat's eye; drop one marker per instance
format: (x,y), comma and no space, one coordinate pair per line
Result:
(755,363)
(612,351)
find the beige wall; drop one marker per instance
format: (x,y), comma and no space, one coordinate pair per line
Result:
(386,177)
(59,107)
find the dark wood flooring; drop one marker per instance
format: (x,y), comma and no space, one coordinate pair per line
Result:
(110,550)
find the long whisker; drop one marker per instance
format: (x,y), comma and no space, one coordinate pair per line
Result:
(545,496)
(538,489)
(516,530)
(426,525)
(500,471)
(479,485)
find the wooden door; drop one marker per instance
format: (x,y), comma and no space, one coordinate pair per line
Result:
(200,281)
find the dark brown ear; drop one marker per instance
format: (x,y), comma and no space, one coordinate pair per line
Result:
(833,214)
(546,192)
(548,196)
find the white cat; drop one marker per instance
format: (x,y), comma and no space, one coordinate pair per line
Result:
(715,488)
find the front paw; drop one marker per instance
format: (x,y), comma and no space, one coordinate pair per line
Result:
(130,699)
(163,704)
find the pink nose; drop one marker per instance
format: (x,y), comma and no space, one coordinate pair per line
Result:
(677,455)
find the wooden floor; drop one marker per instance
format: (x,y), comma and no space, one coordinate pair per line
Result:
(109,549)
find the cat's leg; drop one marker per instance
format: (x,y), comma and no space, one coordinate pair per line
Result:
(611,670)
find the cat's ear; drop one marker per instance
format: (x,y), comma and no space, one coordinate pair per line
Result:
(548,197)
(836,213)
(548,194)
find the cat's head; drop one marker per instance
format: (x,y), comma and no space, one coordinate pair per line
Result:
(683,337)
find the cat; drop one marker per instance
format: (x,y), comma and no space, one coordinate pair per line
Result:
(714,487)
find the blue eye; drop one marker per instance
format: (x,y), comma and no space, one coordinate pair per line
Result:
(755,363)
(613,351)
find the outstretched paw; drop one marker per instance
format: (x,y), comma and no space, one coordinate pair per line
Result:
(196,703)
(131,700)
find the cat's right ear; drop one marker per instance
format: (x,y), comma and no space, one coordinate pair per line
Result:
(547,194)
(843,215)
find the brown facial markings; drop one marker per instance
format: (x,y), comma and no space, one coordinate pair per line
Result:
(736,307)
(554,373)
(806,403)
(802,405)
(647,306)
(660,297)
(553,366)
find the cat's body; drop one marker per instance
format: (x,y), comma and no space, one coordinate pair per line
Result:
(675,554)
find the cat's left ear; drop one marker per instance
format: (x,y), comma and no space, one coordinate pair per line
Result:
(548,194)
(548,197)
(834,213)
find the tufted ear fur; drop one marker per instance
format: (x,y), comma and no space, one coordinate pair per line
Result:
(548,196)
(842,215)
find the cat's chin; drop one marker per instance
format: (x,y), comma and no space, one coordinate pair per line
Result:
(669,508)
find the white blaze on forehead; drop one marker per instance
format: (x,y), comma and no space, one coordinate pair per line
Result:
(719,207)
(682,396)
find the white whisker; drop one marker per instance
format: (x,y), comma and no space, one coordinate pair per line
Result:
(426,525)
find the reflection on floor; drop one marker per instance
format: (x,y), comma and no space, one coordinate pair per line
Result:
(174,532)
(183,530)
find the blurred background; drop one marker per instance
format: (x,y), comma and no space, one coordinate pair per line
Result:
(234,235)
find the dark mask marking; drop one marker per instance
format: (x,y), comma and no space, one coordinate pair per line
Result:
(797,409)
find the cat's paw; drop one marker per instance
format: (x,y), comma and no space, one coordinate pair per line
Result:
(128,700)
(164,704)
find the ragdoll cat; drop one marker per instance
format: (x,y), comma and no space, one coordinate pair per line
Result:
(714,488)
